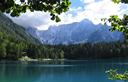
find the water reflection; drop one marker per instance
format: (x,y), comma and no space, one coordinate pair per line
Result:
(59,71)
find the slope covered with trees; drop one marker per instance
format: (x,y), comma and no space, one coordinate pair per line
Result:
(14,31)
(16,43)
(13,37)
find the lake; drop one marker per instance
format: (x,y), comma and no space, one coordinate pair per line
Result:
(59,71)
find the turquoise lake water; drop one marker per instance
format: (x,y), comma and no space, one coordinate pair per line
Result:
(59,71)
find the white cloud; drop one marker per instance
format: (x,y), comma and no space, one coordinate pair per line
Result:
(93,10)
(87,1)
(97,10)
(34,19)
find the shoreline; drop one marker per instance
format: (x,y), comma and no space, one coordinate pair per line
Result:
(25,58)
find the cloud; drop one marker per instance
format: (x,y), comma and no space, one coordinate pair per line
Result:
(100,9)
(93,10)
(87,1)
(33,19)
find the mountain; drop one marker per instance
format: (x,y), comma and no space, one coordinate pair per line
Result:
(10,30)
(78,32)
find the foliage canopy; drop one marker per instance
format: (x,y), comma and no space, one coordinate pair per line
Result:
(54,7)
(114,75)
(120,24)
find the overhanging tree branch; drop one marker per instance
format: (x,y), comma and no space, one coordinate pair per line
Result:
(54,7)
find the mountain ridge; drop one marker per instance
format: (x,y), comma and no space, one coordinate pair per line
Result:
(79,32)
(14,31)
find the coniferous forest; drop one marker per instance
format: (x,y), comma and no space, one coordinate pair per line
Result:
(16,43)
(13,50)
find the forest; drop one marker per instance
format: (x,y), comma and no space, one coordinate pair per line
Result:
(11,49)
(21,44)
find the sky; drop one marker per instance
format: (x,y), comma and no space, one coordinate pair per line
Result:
(93,10)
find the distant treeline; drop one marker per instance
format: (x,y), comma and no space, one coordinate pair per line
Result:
(15,43)
(14,49)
